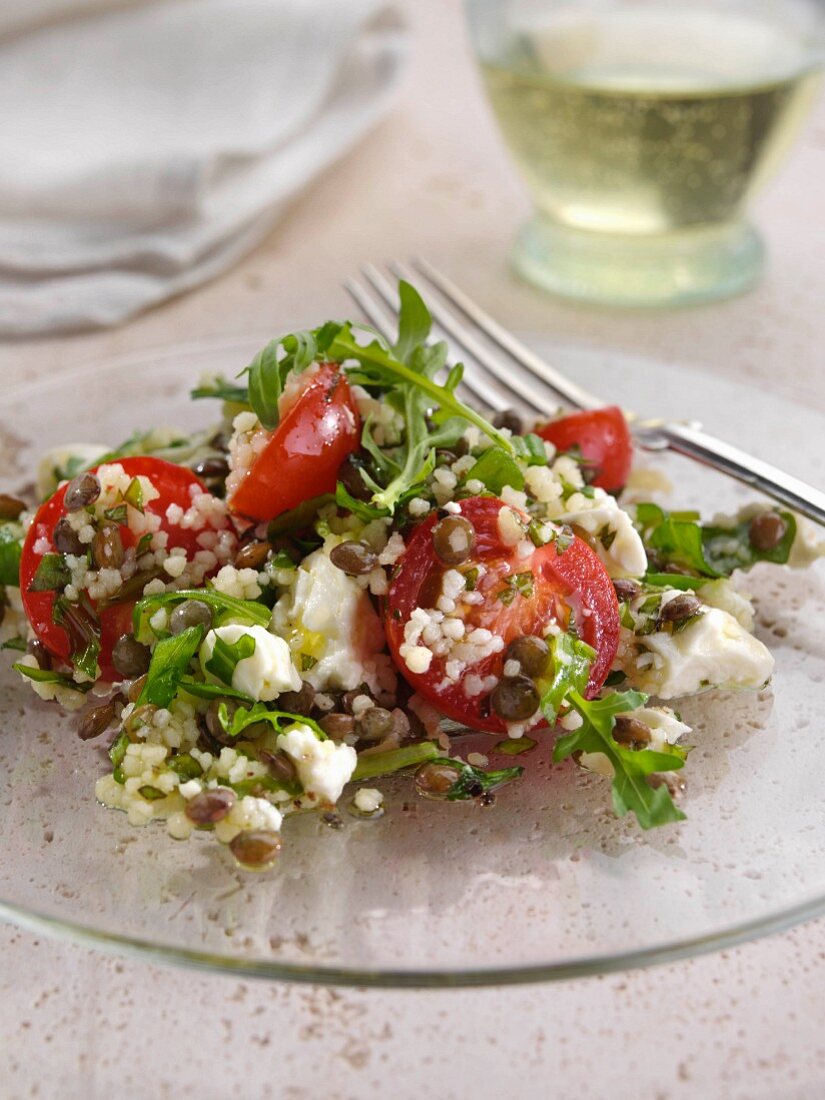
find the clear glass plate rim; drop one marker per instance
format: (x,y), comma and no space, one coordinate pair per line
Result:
(78,932)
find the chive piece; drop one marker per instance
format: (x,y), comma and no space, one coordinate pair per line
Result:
(385,763)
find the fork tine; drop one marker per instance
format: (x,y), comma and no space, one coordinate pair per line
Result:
(373,313)
(532,390)
(563,387)
(492,395)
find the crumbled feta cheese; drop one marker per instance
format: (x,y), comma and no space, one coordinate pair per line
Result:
(712,651)
(324,767)
(610,530)
(368,800)
(264,675)
(329,618)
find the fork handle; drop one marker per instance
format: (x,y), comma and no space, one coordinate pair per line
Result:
(686,439)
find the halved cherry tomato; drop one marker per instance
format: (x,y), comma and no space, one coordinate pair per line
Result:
(603,438)
(173,483)
(574,580)
(303,455)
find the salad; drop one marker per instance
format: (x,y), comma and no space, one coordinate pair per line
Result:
(352,568)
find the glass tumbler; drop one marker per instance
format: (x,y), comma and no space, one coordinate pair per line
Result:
(642,129)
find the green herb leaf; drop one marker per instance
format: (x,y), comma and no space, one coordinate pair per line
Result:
(395,760)
(52,574)
(170,660)
(571,661)
(235,724)
(226,656)
(496,469)
(414,321)
(48,676)
(473,781)
(11,547)
(530,449)
(224,608)
(117,750)
(631,792)
(203,690)
(18,644)
(222,389)
(118,514)
(515,746)
(266,384)
(674,580)
(134,494)
(185,766)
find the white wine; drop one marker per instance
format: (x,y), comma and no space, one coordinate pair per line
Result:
(649,120)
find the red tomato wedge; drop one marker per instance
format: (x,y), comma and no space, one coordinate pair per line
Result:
(173,483)
(574,580)
(304,453)
(603,438)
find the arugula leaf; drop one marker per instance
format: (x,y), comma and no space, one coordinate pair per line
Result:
(266,383)
(298,518)
(117,749)
(227,655)
(170,660)
(234,725)
(631,792)
(360,508)
(530,449)
(472,781)
(707,551)
(248,612)
(571,661)
(11,547)
(48,676)
(372,765)
(18,644)
(222,389)
(674,580)
(496,469)
(52,574)
(414,321)
(202,690)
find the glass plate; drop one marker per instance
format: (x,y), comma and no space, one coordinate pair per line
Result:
(544,884)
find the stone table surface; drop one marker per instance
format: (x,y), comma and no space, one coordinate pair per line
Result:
(76,1023)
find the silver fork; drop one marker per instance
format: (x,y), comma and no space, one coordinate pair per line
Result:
(509,373)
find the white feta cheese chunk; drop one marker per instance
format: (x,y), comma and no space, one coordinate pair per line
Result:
(324,767)
(711,651)
(612,534)
(265,674)
(721,593)
(368,800)
(328,617)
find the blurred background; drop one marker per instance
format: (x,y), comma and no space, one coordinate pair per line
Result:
(188,168)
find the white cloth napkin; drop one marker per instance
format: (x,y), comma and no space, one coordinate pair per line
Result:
(144,148)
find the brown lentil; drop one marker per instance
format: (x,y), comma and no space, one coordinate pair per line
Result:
(679,608)
(354,558)
(281,766)
(210,806)
(190,613)
(454,539)
(66,540)
(766,531)
(435,780)
(135,688)
(630,731)
(253,554)
(509,418)
(81,491)
(256,849)
(211,469)
(96,721)
(515,699)
(337,726)
(213,722)
(375,724)
(37,650)
(349,475)
(107,547)
(532,654)
(626,589)
(11,507)
(129,657)
(298,702)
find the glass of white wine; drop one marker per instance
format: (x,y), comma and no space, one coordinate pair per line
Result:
(643,128)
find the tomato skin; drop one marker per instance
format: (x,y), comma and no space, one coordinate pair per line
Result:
(573,579)
(603,437)
(304,453)
(173,483)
